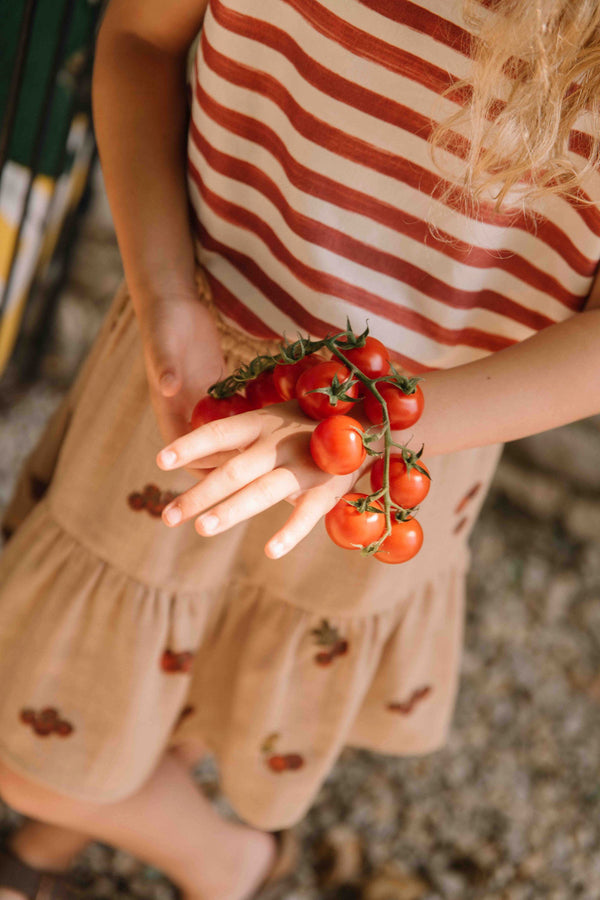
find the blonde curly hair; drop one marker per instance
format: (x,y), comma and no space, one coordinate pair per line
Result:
(535,72)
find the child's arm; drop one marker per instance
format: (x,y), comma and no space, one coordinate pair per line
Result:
(547,380)
(140,118)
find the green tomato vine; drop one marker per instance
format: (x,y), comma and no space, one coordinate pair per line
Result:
(293,352)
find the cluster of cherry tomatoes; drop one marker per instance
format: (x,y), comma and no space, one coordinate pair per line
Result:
(326,390)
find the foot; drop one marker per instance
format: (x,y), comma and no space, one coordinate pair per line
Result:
(240,880)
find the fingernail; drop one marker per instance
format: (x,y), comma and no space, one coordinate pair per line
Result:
(167,457)
(276,549)
(208,523)
(173,515)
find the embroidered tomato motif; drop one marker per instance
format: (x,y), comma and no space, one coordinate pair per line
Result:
(468,496)
(177,662)
(460,525)
(152,499)
(405,707)
(46,722)
(279,762)
(328,636)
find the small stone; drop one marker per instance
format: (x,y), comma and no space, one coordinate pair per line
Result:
(531,866)
(560,595)
(395,882)
(338,857)
(103,886)
(582,519)
(125,865)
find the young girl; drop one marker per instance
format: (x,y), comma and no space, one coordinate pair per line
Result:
(131,639)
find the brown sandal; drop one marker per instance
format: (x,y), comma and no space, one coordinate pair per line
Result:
(35,884)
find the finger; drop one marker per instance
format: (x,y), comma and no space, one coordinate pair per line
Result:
(216,459)
(222,434)
(309,508)
(219,484)
(251,500)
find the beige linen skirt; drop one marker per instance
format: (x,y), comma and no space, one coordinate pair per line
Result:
(121,637)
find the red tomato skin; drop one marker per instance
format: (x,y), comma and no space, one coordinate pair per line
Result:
(207,409)
(261,391)
(407,489)
(404,542)
(403,409)
(286,375)
(346,526)
(335,447)
(317,406)
(373,359)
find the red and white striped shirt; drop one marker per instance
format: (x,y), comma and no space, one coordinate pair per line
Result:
(312,185)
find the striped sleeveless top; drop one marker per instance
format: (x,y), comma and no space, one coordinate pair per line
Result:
(312,186)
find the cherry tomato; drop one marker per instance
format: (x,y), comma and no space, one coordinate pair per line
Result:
(404,542)
(403,409)
(372,359)
(336,447)
(348,528)
(317,406)
(261,391)
(286,375)
(407,489)
(208,408)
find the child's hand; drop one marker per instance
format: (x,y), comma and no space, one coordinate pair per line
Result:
(179,337)
(273,464)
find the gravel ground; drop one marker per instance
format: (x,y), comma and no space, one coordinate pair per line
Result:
(510,809)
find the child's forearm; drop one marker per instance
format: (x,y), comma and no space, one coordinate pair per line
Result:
(548,380)
(140,122)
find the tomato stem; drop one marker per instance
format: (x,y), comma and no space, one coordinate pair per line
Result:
(387,438)
(297,350)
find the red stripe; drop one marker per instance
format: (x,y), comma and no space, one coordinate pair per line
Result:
(316,328)
(397,167)
(581,143)
(424,21)
(368,46)
(315,184)
(324,282)
(364,254)
(234,309)
(358,42)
